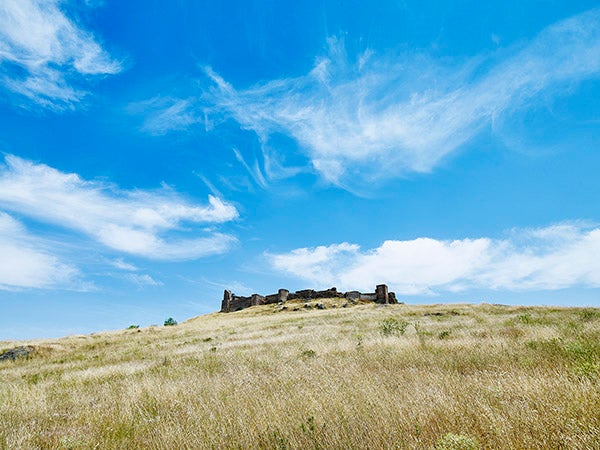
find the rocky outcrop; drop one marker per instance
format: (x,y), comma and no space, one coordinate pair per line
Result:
(17,352)
(232,302)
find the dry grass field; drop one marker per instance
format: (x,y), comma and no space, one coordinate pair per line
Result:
(361,377)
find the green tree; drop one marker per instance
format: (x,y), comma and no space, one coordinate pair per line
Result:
(170,322)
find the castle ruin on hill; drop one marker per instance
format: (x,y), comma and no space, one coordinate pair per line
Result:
(232,302)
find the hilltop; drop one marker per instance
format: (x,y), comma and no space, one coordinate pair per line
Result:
(364,376)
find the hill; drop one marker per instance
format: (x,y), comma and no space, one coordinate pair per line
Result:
(365,376)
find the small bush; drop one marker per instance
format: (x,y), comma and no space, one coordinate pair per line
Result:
(421,333)
(309,425)
(170,322)
(525,318)
(392,326)
(309,353)
(586,369)
(553,349)
(589,314)
(279,441)
(133,327)
(444,334)
(452,441)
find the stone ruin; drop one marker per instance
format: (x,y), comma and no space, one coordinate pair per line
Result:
(232,302)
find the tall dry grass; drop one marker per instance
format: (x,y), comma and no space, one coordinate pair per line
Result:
(440,376)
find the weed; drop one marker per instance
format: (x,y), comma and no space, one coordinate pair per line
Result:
(309,425)
(586,369)
(512,332)
(34,378)
(309,353)
(392,326)
(587,315)
(451,441)
(585,349)
(211,364)
(525,318)
(421,333)
(547,348)
(280,442)
(70,443)
(444,334)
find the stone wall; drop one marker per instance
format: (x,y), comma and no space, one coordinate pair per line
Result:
(308,294)
(232,302)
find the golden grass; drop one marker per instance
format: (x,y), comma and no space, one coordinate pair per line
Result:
(460,376)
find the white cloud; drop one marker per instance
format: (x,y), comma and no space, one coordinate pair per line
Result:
(320,264)
(554,257)
(24,264)
(133,222)
(143,280)
(122,265)
(39,39)
(254,172)
(140,279)
(405,113)
(165,114)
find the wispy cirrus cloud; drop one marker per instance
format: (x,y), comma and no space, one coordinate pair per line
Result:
(142,280)
(165,114)
(123,265)
(555,257)
(136,222)
(404,112)
(131,273)
(45,55)
(27,263)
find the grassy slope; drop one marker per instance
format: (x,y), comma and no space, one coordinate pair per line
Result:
(505,377)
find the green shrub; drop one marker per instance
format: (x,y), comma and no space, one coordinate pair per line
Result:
(451,441)
(309,353)
(421,333)
(133,327)
(309,425)
(586,369)
(170,322)
(444,334)
(525,318)
(392,326)
(589,314)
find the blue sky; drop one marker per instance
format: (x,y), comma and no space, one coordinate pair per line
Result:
(154,153)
